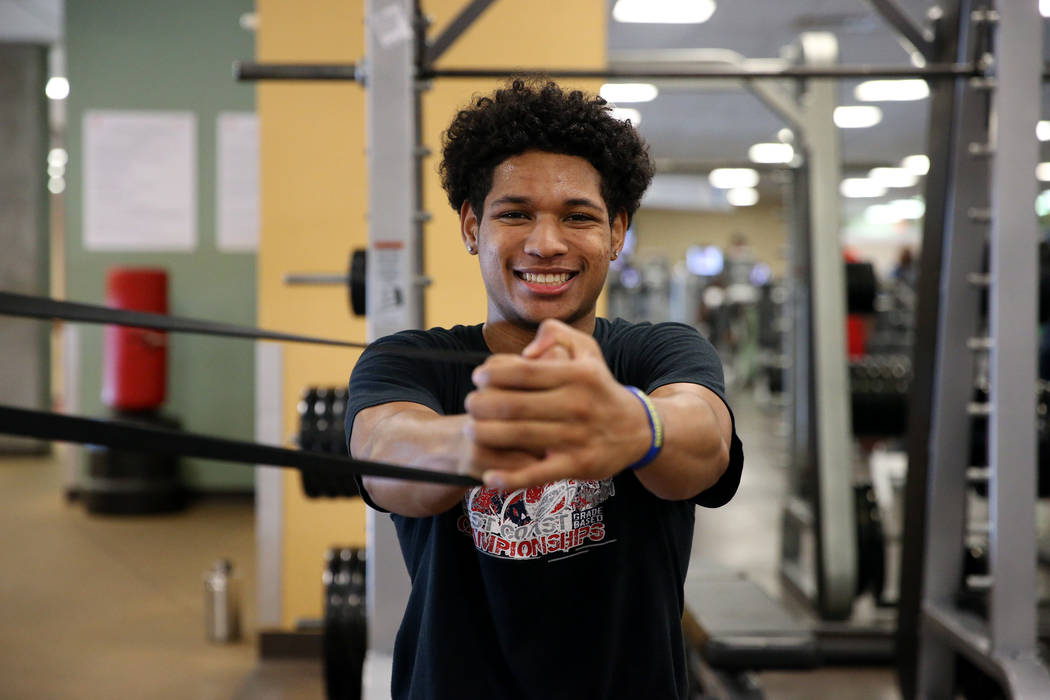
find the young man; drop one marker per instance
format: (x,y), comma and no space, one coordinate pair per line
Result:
(596,439)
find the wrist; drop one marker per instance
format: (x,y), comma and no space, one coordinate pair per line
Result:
(655,428)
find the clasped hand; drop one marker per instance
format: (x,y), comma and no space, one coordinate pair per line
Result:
(553,412)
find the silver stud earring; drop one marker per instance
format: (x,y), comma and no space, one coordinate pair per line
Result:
(471,250)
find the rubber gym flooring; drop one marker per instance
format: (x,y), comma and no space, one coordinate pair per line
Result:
(94,607)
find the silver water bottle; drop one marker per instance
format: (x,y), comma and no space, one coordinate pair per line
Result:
(221,605)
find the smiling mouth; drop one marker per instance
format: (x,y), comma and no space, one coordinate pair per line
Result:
(551,278)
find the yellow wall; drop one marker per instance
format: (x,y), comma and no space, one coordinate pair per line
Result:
(669,233)
(314,198)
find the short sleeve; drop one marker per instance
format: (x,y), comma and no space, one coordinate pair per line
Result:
(381,377)
(672,353)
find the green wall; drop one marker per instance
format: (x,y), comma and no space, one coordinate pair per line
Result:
(162,55)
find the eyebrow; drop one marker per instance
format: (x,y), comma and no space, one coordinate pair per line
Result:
(517,199)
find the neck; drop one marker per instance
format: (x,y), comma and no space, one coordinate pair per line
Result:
(506,337)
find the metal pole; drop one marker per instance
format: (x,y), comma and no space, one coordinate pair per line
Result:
(247,70)
(393,264)
(1013,319)
(837,549)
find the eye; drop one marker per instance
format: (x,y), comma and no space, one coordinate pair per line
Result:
(512,215)
(580,217)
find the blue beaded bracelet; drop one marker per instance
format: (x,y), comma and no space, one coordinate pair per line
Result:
(655,427)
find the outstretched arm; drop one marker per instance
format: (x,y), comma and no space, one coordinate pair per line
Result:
(589,426)
(413,435)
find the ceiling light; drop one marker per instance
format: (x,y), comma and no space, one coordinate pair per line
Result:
(742,196)
(881,215)
(1042,172)
(664,11)
(628,92)
(771,153)
(1042,131)
(859,187)
(918,164)
(1044,8)
(857,116)
(786,135)
(892,90)
(893,177)
(57,88)
(57,156)
(908,208)
(728,178)
(1042,203)
(626,113)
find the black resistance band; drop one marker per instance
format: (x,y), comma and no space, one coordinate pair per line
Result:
(12,304)
(46,425)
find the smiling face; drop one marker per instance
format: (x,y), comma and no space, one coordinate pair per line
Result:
(544,240)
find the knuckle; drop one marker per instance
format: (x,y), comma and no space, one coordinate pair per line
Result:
(580,409)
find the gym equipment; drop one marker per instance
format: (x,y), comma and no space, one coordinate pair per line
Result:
(879,386)
(861,287)
(127,481)
(981,156)
(46,308)
(48,425)
(345,622)
(354,279)
(871,544)
(321,412)
(135,360)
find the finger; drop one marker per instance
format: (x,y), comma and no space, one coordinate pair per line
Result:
(484,459)
(527,435)
(503,404)
(553,333)
(511,372)
(555,466)
(556,352)
(550,334)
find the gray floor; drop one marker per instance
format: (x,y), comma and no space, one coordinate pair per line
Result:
(96,607)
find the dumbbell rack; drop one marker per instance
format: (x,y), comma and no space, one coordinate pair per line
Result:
(988,198)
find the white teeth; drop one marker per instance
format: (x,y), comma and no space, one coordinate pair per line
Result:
(559,278)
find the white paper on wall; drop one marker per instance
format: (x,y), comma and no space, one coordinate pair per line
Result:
(140,180)
(237,178)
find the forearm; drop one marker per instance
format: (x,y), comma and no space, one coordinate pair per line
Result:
(695,453)
(415,438)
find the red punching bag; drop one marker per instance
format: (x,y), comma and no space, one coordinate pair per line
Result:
(135,360)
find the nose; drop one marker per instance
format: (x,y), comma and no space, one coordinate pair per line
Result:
(545,239)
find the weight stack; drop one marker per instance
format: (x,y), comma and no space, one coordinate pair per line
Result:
(121,482)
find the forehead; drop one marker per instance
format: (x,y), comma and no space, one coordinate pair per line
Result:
(537,174)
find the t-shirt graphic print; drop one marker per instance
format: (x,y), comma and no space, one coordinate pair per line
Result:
(556,520)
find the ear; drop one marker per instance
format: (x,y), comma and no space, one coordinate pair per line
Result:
(468,227)
(618,234)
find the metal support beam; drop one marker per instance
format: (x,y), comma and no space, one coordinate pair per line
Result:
(394,301)
(920,39)
(780,102)
(836,552)
(937,224)
(249,71)
(1013,321)
(466,17)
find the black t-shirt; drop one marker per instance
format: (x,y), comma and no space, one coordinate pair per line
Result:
(569,590)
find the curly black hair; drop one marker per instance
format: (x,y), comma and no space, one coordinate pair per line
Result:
(535,114)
